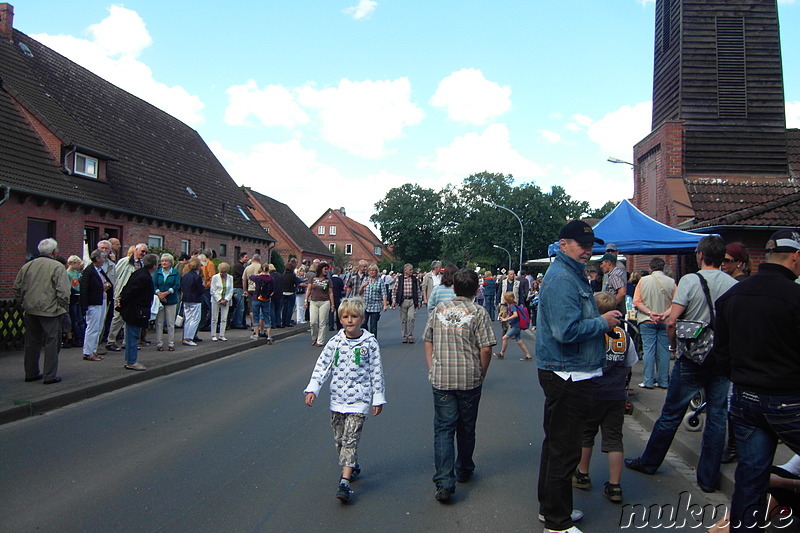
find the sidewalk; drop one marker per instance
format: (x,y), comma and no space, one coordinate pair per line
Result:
(86,379)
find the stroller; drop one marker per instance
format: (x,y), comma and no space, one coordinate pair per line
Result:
(693,420)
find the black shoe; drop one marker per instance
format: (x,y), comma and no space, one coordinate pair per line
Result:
(636,464)
(344,493)
(580,480)
(37,378)
(464,476)
(52,381)
(113,347)
(356,473)
(729,456)
(613,492)
(443,495)
(197,339)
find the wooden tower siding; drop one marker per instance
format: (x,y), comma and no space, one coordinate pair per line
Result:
(722,76)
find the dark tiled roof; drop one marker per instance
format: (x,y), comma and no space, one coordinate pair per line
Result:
(155,156)
(292,225)
(720,202)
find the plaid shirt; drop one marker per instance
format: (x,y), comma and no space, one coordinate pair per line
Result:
(458,330)
(374,293)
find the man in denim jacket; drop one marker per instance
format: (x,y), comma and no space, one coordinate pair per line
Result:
(570,351)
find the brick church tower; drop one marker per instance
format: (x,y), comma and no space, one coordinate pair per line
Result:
(719,150)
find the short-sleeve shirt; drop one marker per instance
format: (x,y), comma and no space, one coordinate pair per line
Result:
(458,330)
(613,281)
(690,293)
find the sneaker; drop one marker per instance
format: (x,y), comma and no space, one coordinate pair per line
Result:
(411,340)
(643,386)
(223,339)
(576,516)
(253,337)
(343,493)
(499,355)
(463,476)
(613,492)
(213,339)
(269,340)
(356,472)
(112,347)
(189,343)
(581,480)
(573,529)
(443,495)
(136,366)
(636,464)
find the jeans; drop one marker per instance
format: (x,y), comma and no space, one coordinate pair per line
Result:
(78,323)
(490,306)
(371,322)
(132,343)
(455,413)
(656,353)
(238,309)
(687,379)
(277,315)
(759,421)
(287,309)
(205,311)
(566,410)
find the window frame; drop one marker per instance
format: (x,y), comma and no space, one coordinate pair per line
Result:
(86,159)
(348,249)
(331,230)
(320,230)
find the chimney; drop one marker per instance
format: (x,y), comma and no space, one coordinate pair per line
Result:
(342,211)
(6,22)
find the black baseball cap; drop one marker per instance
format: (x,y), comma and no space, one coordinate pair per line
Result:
(784,241)
(579,231)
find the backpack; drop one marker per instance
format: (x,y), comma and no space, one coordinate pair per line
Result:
(264,292)
(523,317)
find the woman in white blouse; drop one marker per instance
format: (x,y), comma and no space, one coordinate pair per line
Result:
(221,295)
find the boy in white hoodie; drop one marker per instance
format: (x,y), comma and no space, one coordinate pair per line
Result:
(353,358)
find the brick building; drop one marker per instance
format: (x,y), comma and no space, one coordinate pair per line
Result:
(340,232)
(81,159)
(293,237)
(719,158)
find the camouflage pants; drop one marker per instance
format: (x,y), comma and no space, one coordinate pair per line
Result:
(346,434)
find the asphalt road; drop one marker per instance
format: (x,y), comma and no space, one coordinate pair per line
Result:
(230,446)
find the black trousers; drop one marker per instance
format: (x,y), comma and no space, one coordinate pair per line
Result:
(566,409)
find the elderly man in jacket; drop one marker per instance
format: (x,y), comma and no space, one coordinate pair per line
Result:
(43,288)
(569,352)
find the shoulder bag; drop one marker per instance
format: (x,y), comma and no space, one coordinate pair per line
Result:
(694,338)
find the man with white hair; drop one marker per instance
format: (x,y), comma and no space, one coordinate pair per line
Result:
(43,288)
(431,280)
(125,267)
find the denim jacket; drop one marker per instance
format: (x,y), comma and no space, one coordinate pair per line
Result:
(569,328)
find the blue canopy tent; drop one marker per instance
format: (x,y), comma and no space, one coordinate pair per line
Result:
(636,233)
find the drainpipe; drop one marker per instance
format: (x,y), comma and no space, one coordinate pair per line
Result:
(6,194)
(65,158)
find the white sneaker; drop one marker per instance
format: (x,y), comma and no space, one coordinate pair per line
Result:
(223,339)
(214,339)
(573,529)
(189,343)
(253,337)
(576,516)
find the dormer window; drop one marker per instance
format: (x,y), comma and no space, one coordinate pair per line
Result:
(86,166)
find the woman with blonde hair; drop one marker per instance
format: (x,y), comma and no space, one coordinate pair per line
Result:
(167,284)
(221,294)
(319,300)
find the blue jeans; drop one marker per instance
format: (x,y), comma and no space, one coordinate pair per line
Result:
(371,322)
(656,353)
(759,421)
(238,308)
(455,413)
(262,311)
(687,379)
(132,343)
(277,317)
(78,323)
(490,306)
(287,309)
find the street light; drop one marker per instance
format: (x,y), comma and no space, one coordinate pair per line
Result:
(521,230)
(620,161)
(506,251)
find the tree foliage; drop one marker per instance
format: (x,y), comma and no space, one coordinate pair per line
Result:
(605,209)
(459,225)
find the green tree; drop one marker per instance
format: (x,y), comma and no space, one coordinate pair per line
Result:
(602,211)
(410,219)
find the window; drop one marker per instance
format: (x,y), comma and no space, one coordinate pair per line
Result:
(332,247)
(38,230)
(186,246)
(155,241)
(378,251)
(223,250)
(85,166)
(332,230)
(321,230)
(348,249)
(90,236)
(242,212)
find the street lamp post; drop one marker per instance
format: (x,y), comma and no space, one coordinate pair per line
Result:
(506,251)
(521,230)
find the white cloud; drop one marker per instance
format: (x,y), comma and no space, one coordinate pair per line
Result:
(598,188)
(469,97)
(548,136)
(618,131)
(476,152)
(363,9)
(361,117)
(273,106)
(111,52)
(793,114)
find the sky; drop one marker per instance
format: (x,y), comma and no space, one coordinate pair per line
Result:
(330,103)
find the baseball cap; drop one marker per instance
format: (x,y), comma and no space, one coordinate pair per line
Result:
(579,231)
(785,241)
(611,247)
(609,257)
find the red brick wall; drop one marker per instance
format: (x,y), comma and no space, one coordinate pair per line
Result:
(69,225)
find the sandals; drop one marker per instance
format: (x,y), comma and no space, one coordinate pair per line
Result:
(93,357)
(170,348)
(160,348)
(525,358)
(135,366)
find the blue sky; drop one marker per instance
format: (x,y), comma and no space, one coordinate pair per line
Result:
(330,103)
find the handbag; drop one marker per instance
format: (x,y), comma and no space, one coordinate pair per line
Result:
(179,321)
(155,307)
(695,338)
